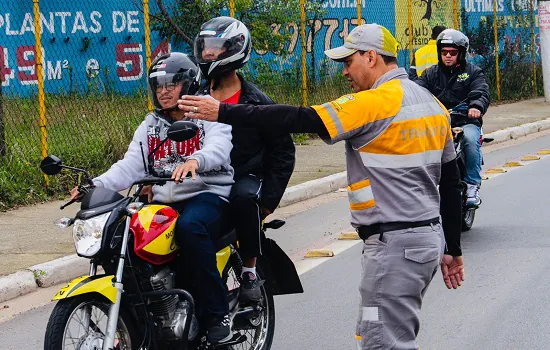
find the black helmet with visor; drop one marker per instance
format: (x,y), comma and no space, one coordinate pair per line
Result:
(222,46)
(172,71)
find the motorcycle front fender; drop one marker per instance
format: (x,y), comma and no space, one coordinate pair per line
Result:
(101,284)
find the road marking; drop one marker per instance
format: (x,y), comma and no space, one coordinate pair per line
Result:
(337,247)
(495,171)
(512,164)
(530,158)
(319,253)
(349,236)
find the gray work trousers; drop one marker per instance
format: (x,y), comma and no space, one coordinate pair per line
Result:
(397,270)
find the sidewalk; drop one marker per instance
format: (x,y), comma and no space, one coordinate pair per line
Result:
(28,236)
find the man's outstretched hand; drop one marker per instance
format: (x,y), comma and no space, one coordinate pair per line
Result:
(200,107)
(452,268)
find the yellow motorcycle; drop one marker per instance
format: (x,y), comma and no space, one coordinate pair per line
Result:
(135,304)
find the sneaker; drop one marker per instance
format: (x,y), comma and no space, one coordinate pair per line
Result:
(220,331)
(473,196)
(250,288)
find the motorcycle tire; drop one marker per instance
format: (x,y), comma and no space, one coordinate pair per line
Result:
(468,216)
(265,322)
(57,328)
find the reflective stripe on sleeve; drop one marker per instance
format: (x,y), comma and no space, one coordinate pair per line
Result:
(360,195)
(334,117)
(390,161)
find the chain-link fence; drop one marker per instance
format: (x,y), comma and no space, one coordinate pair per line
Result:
(77,87)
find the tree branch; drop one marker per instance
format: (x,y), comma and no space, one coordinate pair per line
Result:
(142,11)
(177,29)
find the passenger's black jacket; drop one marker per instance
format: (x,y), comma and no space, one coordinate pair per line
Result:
(268,155)
(452,85)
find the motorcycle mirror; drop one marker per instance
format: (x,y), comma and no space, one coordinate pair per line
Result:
(182,130)
(51,165)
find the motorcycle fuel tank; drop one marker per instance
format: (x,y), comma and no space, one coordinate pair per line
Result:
(154,228)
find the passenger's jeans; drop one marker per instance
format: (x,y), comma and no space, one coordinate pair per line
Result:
(472,151)
(199,223)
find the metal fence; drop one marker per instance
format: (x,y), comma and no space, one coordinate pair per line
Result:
(73,73)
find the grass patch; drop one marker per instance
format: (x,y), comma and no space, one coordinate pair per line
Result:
(90,132)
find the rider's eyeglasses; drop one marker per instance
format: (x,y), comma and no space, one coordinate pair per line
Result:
(167,86)
(453,53)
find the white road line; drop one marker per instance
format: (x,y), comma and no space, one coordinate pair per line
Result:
(338,247)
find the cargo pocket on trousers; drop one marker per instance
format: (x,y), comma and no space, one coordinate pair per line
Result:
(422,255)
(372,336)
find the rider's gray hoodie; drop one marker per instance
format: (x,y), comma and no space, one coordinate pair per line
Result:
(211,148)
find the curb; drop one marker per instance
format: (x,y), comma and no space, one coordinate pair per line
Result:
(69,267)
(313,188)
(17,284)
(516,132)
(60,270)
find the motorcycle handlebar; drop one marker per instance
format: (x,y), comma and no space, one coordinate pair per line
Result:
(68,203)
(153,180)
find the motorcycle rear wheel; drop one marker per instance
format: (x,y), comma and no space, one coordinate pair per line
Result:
(468,217)
(66,327)
(260,329)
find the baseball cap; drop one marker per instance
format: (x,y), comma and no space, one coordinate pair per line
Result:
(364,38)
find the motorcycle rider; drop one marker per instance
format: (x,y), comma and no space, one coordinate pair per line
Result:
(263,162)
(451,81)
(201,200)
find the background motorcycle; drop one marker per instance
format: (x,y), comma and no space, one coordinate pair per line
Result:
(459,117)
(134,304)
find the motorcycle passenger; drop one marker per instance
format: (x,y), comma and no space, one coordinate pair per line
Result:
(451,81)
(263,162)
(200,200)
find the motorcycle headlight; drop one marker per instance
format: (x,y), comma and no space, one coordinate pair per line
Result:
(87,234)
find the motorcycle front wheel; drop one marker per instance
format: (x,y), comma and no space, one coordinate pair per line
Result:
(80,323)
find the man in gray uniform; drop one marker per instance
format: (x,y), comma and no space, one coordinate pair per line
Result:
(399,148)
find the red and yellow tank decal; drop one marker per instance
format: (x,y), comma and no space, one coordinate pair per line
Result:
(154,228)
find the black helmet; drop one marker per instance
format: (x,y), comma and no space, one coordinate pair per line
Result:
(230,38)
(172,68)
(456,39)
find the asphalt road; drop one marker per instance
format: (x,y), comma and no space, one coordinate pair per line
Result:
(502,305)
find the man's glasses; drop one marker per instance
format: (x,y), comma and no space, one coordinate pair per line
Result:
(167,87)
(453,53)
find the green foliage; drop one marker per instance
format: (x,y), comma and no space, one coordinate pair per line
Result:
(515,56)
(267,20)
(90,132)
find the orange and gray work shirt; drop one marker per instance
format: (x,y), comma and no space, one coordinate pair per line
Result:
(399,148)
